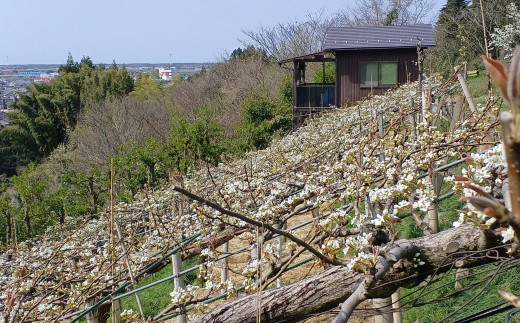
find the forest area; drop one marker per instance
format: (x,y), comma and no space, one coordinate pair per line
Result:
(107,183)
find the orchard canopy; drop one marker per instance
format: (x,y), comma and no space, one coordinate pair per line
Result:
(355,172)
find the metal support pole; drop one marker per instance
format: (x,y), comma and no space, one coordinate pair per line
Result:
(178,281)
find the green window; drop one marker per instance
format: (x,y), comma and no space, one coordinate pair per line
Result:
(379,74)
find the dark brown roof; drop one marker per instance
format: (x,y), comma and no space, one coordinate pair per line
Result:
(401,36)
(314,57)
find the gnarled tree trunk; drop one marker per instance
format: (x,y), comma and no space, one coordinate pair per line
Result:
(329,288)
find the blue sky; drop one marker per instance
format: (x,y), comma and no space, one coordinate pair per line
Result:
(131,31)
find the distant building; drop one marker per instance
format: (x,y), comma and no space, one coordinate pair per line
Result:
(7,98)
(37,76)
(4,121)
(368,60)
(164,74)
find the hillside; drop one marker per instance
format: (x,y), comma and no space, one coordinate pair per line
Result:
(326,168)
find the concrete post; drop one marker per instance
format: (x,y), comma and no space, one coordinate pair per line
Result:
(396,304)
(380,303)
(224,272)
(178,281)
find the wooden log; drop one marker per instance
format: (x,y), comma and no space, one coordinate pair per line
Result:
(326,290)
(472,73)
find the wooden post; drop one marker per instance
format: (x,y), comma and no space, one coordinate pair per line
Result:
(99,314)
(178,281)
(130,272)
(420,60)
(506,194)
(465,90)
(116,311)
(295,83)
(380,123)
(280,245)
(323,66)
(380,303)
(433,212)
(457,113)
(15,236)
(92,316)
(373,210)
(381,133)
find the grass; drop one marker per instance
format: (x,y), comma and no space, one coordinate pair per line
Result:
(156,298)
(445,310)
(478,86)
(438,312)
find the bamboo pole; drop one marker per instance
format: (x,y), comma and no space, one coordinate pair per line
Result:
(116,307)
(130,272)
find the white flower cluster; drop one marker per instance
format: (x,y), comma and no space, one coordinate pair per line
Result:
(480,174)
(506,37)
(331,161)
(127,314)
(182,295)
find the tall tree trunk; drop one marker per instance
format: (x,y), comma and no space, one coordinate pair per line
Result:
(9,226)
(62,215)
(27,221)
(93,194)
(151,170)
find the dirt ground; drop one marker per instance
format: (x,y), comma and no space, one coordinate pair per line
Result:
(237,262)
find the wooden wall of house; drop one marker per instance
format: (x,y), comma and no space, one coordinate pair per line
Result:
(348,71)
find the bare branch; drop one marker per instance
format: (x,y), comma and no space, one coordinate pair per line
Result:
(259,224)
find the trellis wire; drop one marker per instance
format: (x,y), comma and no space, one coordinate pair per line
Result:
(122,287)
(153,265)
(103,300)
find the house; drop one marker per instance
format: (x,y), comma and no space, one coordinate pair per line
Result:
(4,120)
(368,60)
(165,74)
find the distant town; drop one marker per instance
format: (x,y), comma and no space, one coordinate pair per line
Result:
(14,79)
